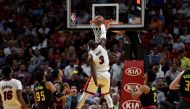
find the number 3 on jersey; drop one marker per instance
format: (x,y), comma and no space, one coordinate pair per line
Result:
(187,85)
(101,58)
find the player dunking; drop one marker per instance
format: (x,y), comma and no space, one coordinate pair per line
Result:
(99,63)
(43,91)
(182,82)
(11,91)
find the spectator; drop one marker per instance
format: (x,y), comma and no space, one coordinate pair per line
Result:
(15,65)
(10,49)
(103,104)
(28,95)
(116,70)
(6,32)
(115,97)
(75,79)
(116,52)
(159,73)
(185,37)
(36,61)
(70,68)
(178,45)
(23,75)
(114,86)
(163,65)
(187,11)
(73,98)
(97,102)
(71,53)
(172,73)
(185,62)
(161,88)
(44,30)
(2,57)
(154,56)
(86,67)
(158,39)
(51,58)
(86,105)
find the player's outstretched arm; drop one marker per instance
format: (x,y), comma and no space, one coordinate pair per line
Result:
(57,87)
(20,99)
(66,90)
(59,96)
(137,94)
(175,83)
(103,35)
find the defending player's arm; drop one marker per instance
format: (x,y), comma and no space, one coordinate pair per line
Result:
(93,70)
(58,96)
(137,94)
(175,83)
(57,87)
(66,90)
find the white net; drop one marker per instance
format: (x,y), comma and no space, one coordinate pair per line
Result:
(97,29)
(97,32)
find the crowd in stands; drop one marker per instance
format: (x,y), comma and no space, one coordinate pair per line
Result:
(33,34)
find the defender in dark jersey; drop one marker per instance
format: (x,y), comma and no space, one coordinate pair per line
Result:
(42,95)
(146,92)
(44,91)
(57,75)
(182,83)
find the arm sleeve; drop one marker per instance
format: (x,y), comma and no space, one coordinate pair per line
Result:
(103,31)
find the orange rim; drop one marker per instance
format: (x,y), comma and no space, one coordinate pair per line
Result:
(107,23)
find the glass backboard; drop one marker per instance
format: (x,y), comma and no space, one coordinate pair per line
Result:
(124,13)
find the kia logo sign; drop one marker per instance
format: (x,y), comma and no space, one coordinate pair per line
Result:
(133,71)
(131,104)
(127,87)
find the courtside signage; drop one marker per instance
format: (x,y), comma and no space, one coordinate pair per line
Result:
(129,86)
(133,71)
(131,104)
(132,78)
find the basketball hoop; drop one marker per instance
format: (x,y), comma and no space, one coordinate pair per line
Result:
(96,27)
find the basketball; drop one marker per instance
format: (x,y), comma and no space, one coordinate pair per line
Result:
(99,18)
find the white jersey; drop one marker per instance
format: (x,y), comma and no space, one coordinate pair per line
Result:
(100,58)
(8,93)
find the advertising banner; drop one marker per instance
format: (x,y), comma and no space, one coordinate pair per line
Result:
(133,72)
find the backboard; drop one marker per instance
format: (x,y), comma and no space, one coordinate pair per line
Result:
(124,13)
